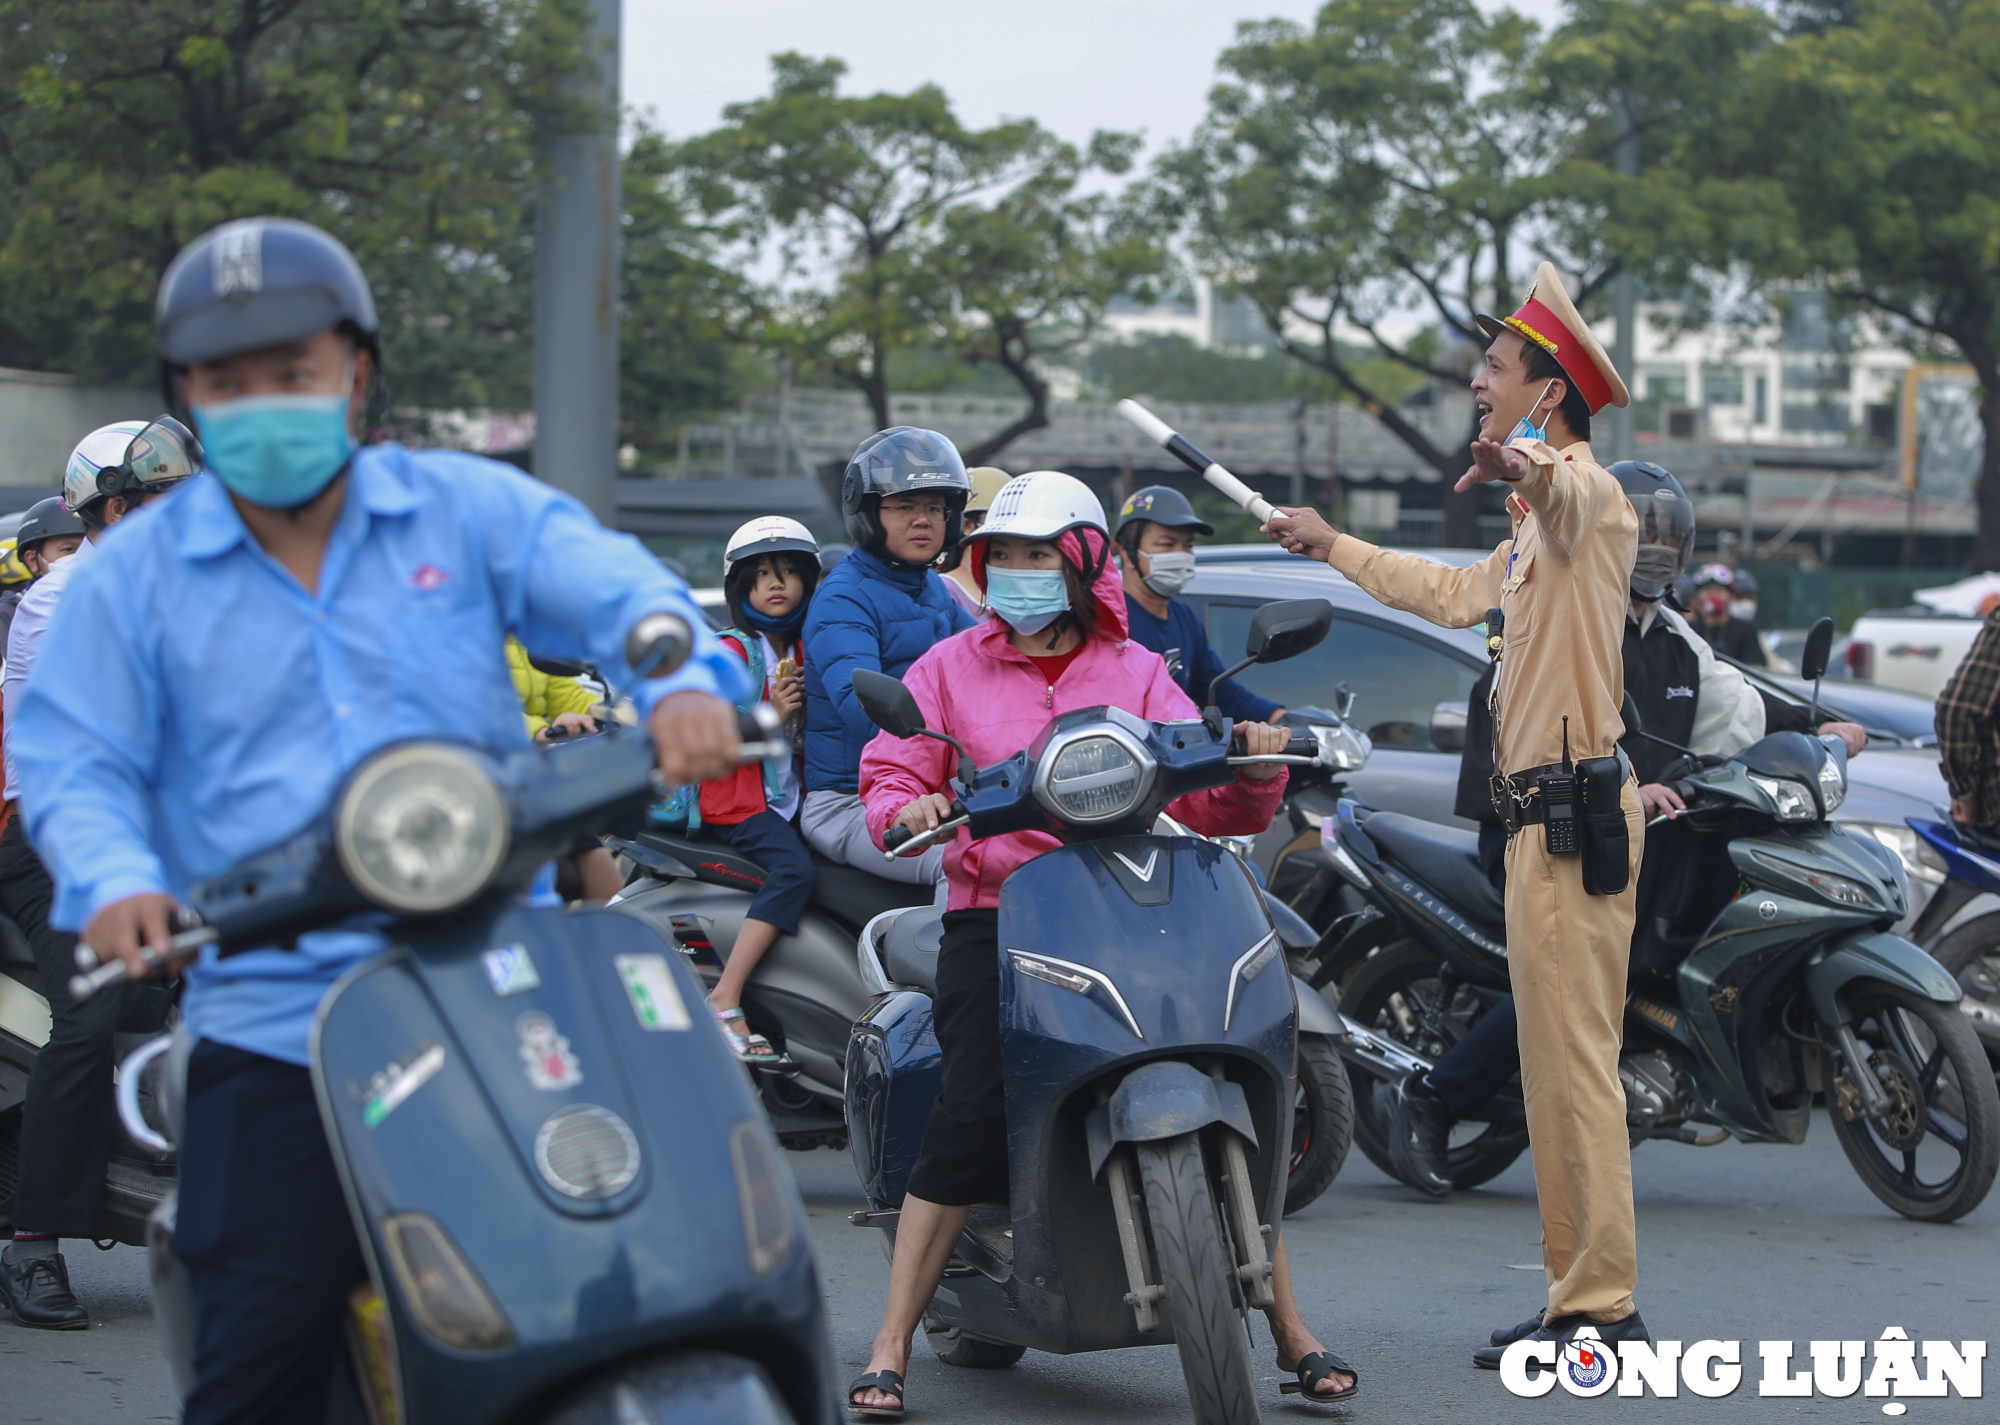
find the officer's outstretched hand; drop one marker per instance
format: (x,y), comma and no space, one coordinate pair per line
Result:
(695,735)
(1492,461)
(1302,532)
(124,928)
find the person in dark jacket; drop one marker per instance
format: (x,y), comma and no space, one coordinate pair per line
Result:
(1714,589)
(1156,530)
(903,500)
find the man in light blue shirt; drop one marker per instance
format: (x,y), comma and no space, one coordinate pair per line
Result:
(208,683)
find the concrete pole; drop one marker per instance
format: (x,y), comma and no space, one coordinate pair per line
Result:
(576,291)
(1624,300)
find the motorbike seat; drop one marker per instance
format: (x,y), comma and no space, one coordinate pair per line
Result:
(1445,859)
(855,896)
(14,948)
(910,948)
(710,860)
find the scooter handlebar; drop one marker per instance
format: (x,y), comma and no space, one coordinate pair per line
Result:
(83,986)
(899,840)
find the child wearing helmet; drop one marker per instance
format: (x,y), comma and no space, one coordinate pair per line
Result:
(769,568)
(1058,642)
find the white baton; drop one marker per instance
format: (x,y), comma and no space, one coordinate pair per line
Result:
(1185,451)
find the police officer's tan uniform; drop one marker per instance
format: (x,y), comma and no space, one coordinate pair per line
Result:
(1562,583)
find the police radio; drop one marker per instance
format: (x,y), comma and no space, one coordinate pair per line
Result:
(1559,805)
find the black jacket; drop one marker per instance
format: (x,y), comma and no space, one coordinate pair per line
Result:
(1736,638)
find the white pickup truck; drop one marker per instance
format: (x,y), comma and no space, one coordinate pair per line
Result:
(1915,649)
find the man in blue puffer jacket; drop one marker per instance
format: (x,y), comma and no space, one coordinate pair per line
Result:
(903,498)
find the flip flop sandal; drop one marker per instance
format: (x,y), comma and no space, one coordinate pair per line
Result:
(749,1048)
(889,1383)
(1313,1369)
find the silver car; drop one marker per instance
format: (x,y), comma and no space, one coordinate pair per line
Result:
(1410,681)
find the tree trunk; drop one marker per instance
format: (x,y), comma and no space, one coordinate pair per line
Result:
(1461,509)
(1037,417)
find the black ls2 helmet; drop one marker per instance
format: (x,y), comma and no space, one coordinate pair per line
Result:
(902,460)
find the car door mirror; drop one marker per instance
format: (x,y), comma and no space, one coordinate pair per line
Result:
(1448,727)
(889,705)
(1287,629)
(1819,647)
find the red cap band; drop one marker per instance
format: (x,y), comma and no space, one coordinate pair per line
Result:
(1537,323)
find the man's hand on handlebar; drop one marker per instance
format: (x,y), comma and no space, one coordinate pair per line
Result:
(925,813)
(570,725)
(1260,739)
(126,928)
(1852,733)
(1659,799)
(695,735)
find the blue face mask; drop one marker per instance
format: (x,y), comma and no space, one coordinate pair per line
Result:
(1028,599)
(276,451)
(1525,428)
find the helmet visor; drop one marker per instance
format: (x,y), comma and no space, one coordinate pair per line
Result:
(913,460)
(163,454)
(1666,541)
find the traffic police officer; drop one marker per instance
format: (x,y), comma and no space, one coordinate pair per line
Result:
(1561,584)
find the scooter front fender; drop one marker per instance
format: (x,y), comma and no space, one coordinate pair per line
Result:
(1874,956)
(1316,1016)
(1160,1100)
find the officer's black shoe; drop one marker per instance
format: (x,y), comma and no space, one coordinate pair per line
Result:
(1508,1335)
(1419,1129)
(37,1292)
(1563,1328)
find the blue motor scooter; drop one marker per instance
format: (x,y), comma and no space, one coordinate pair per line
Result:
(570,1203)
(1969,948)
(1148,1031)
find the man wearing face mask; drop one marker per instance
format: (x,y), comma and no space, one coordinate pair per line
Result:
(1155,536)
(1561,584)
(213,677)
(1714,592)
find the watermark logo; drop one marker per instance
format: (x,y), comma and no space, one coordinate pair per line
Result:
(1835,1370)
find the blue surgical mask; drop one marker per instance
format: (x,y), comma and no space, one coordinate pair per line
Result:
(1525,428)
(276,451)
(1028,599)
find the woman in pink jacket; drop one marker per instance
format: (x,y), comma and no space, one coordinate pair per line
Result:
(1057,643)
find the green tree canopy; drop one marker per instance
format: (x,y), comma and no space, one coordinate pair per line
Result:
(407,127)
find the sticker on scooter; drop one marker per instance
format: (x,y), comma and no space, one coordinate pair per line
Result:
(551,1066)
(511,970)
(649,984)
(389,1088)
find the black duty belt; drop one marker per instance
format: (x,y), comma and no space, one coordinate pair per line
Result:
(1516,799)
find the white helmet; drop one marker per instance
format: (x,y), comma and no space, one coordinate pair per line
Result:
(1043,504)
(127,458)
(767,534)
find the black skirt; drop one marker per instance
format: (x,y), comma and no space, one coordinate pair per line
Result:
(964,1156)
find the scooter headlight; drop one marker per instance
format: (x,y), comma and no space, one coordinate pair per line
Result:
(1832,784)
(1790,800)
(421,828)
(1095,777)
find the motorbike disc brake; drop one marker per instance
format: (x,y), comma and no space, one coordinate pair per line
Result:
(1902,1125)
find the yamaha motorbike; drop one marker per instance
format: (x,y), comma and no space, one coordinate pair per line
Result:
(1148,1032)
(571,1206)
(1764,972)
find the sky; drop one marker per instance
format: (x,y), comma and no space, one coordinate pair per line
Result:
(1074,65)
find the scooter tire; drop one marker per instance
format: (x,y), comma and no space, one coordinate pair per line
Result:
(1323,1123)
(1196,1270)
(952,1346)
(1961,953)
(1882,1015)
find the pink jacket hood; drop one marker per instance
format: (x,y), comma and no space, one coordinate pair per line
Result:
(982,690)
(1108,591)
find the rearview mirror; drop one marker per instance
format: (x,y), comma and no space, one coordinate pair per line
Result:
(1285,630)
(889,705)
(1819,647)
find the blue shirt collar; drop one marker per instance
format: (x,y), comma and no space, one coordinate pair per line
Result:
(375,484)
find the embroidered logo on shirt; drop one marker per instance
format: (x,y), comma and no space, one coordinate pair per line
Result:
(429,577)
(1681,692)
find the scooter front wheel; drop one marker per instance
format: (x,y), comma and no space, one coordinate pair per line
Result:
(1197,1271)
